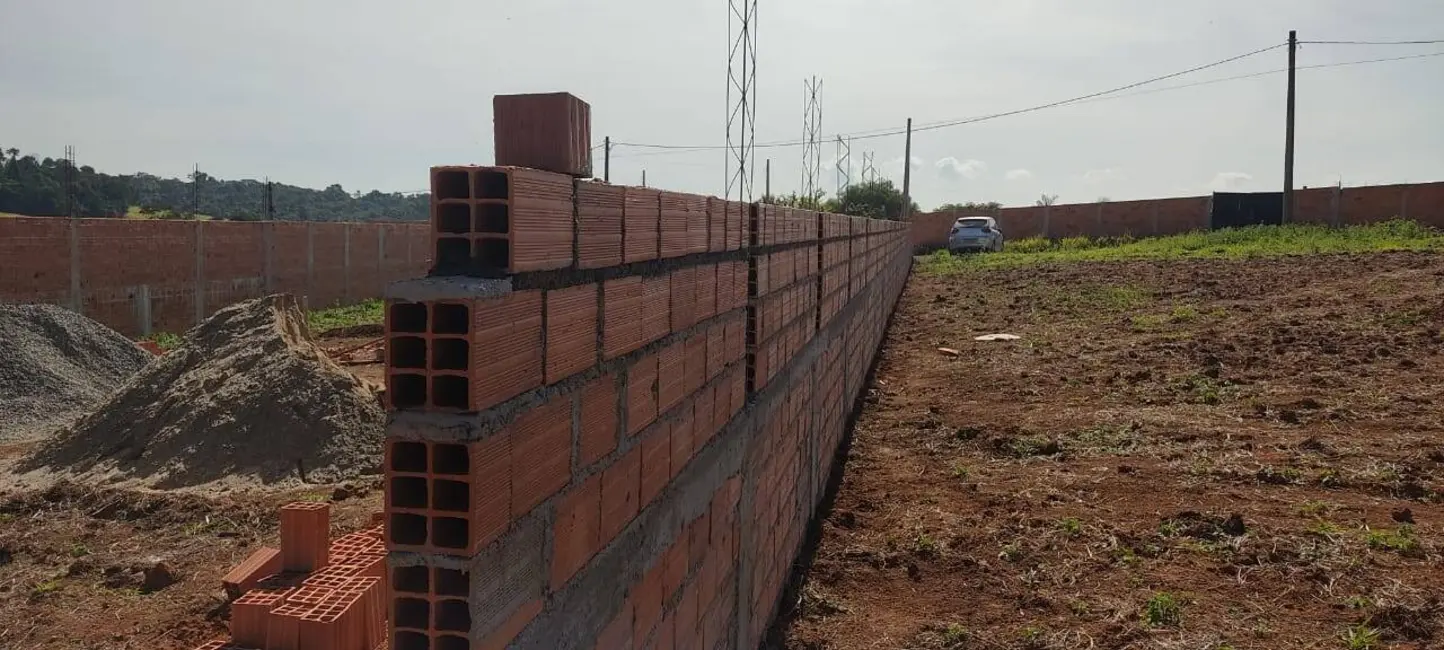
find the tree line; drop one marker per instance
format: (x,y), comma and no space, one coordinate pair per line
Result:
(38,187)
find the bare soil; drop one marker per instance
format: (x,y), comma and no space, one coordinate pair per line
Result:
(73,554)
(1201,454)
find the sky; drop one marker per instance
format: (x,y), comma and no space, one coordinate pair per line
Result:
(370,94)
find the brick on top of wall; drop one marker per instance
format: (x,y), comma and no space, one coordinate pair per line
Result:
(600,212)
(717,218)
(641,219)
(676,209)
(571,331)
(37,254)
(706,291)
(656,307)
(684,298)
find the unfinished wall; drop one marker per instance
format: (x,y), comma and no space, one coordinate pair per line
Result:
(1331,206)
(621,450)
(141,276)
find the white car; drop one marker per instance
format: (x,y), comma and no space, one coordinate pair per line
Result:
(975,234)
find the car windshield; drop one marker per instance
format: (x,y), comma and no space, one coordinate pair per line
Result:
(972,223)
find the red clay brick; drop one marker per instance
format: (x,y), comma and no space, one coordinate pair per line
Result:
(697,227)
(513,220)
(684,298)
(600,209)
(686,617)
(706,305)
(647,602)
(541,454)
(716,349)
(675,568)
(695,366)
(681,434)
(511,322)
(671,378)
(703,425)
(577,530)
(621,490)
(641,394)
(599,419)
(550,131)
(491,485)
(617,635)
(656,463)
(656,307)
(717,216)
(259,564)
(503,635)
(621,316)
(571,339)
(641,219)
(305,536)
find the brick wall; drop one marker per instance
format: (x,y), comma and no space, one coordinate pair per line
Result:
(623,448)
(1331,206)
(140,277)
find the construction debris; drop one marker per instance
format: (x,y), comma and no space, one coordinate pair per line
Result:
(247,397)
(55,365)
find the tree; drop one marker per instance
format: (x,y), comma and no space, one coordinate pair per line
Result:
(877,199)
(795,200)
(991,208)
(1047,199)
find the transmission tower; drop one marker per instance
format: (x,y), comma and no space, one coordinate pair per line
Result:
(844,164)
(741,97)
(811,132)
(869,171)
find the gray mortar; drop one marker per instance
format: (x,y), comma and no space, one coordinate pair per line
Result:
(448,287)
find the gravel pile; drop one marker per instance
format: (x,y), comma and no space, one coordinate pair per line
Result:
(55,365)
(246,398)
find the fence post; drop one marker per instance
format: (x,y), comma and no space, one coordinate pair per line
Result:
(381,253)
(77,302)
(200,279)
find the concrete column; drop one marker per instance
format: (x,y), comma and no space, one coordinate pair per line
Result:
(310,265)
(200,279)
(268,244)
(142,310)
(346,263)
(381,254)
(77,301)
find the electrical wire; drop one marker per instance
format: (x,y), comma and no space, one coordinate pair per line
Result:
(1434,42)
(1095,98)
(878,133)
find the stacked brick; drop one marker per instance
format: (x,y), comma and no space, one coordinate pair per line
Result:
(582,427)
(312,593)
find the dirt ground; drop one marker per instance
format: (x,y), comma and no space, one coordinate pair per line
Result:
(73,558)
(1202,454)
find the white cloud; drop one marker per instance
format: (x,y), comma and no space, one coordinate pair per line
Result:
(894,167)
(952,169)
(1018,175)
(1225,181)
(1102,175)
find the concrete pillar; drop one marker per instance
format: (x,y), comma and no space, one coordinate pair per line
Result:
(143,321)
(381,255)
(200,279)
(77,301)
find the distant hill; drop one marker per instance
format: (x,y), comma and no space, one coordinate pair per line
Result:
(32,186)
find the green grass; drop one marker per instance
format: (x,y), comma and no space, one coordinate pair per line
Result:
(1360,637)
(165,340)
(365,313)
(1163,610)
(1253,241)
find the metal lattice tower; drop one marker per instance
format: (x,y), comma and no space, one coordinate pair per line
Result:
(741,97)
(811,134)
(844,164)
(869,171)
(70,175)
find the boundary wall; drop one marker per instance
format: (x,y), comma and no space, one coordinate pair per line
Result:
(617,438)
(143,276)
(1335,206)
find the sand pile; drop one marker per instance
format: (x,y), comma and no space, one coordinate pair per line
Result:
(55,365)
(247,397)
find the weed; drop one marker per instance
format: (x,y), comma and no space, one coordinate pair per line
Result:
(1358,602)
(1163,609)
(1147,322)
(1079,607)
(1109,438)
(955,636)
(1275,476)
(47,587)
(924,545)
(1324,528)
(1331,479)
(960,471)
(6,517)
(1401,540)
(1028,446)
(365,313)
(1170,528)
(78,550)
(314,497)
(1360,637)
(967,433)
(1183,314)
(1070,526)
(1315,508)
(1028,245)
(165,340)
(1205,390)
(1405,318)
(1011,552)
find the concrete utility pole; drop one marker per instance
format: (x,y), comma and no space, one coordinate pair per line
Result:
(1288,215)
(767,179)
(644,178)
(908,172)
(607,159)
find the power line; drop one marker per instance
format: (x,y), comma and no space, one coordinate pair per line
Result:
(1098,97)
(877,133)
(1435,42)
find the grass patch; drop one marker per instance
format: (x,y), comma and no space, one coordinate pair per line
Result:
(1253,241)
(1163,610)
(165,340)
(1360,637)
(365,313)
(1401,540)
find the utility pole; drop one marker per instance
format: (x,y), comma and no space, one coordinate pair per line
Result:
(908,172)
(196,191)
(1288,215)
(270,206)
(767,179)
(607,159)
(644,178)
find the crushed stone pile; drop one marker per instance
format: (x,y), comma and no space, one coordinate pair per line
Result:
(247,397)
(55,365)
